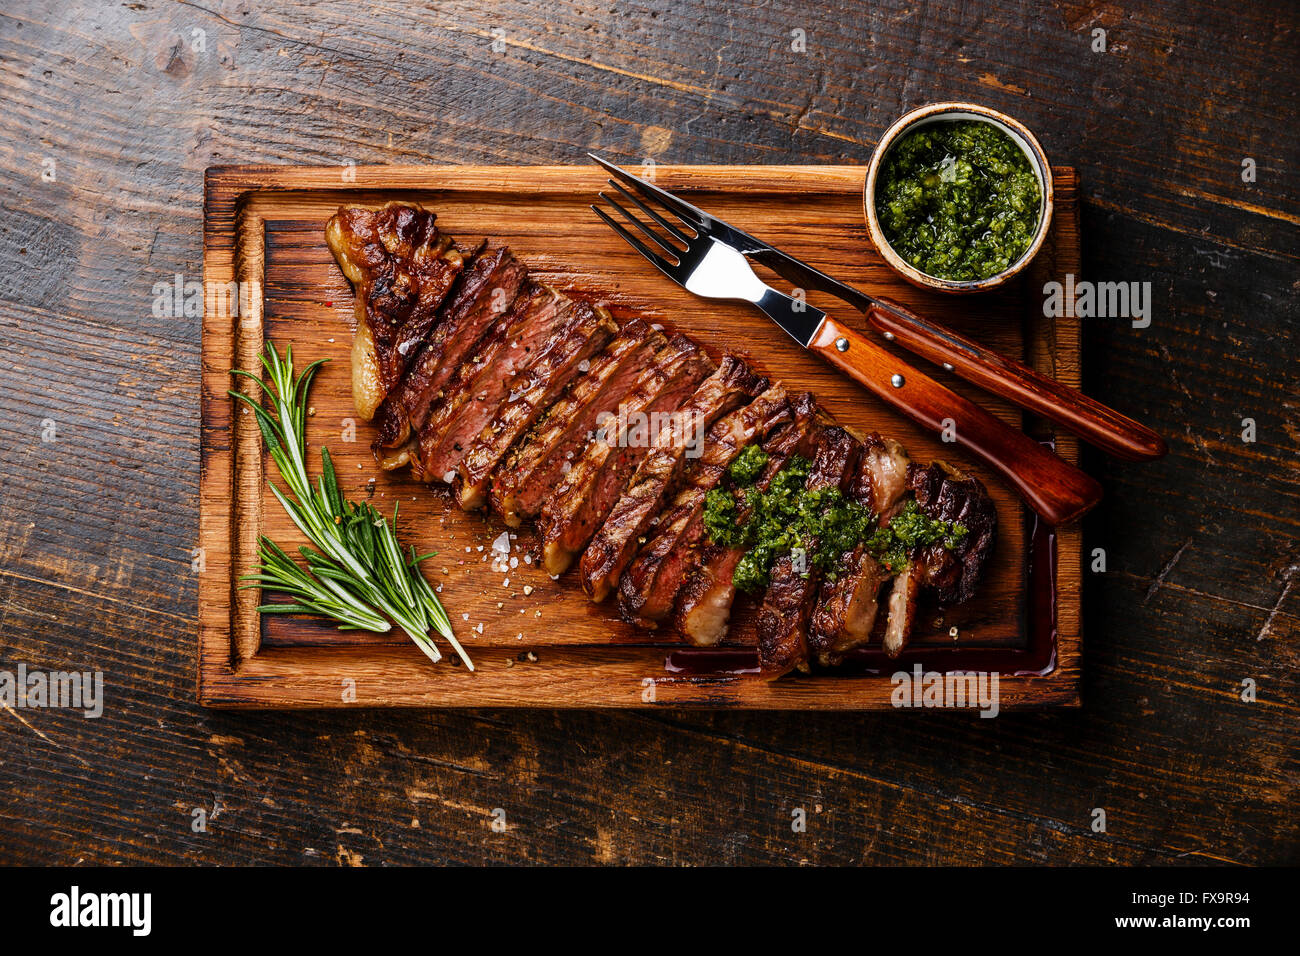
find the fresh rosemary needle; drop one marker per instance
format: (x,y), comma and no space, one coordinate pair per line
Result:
(356,573)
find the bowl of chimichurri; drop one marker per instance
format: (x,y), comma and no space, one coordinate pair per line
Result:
(958,197)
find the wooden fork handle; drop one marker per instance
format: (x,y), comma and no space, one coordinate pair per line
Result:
(1092,421)
(1057,491)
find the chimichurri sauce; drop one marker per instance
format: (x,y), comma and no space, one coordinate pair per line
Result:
(822,522)
(958,200)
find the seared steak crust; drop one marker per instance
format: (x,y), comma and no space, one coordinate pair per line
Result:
(944,493)
(649,586)
(482,383)
(846,610)
(704,604)
(615,544)
(401,267)
(539,461)
(787,605)
(585,496)
(531,390)
(487,290)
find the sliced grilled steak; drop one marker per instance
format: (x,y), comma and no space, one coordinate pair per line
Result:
(704,605)
(401,267)
(479,376)
(584,497)
(846,611)
(538,464)
(485,293)
(531,392)
(480,385)
(946,494)
(615,544)
(648,589)
(783,619)
(953,574)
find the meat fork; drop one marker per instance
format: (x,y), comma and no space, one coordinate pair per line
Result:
(706,256)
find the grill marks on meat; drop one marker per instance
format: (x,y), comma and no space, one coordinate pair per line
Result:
(648,588)
(482,383)
(539,462)
(486,292)
(401,268)
(616,543)
(611,437)
(846,611)
(544,375)
(704,604)
(787,605)
(944,493)
(584,497)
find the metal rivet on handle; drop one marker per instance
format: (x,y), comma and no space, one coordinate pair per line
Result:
(842,344)
(897,380)
(947,366)
(889,336)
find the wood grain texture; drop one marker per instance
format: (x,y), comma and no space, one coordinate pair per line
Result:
(97,527)
(265,228)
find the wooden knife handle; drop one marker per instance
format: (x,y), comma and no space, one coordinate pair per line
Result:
(1057,491)
(1092,421)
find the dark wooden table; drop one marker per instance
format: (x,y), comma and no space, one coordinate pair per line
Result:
(112,112)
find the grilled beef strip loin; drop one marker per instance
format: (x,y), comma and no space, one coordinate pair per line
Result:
(539,461)
(648,588)
(470,399)
(446,338)
(846,611)
(787,604)
(530,393)
(401,268)
(584,497)
(485,293)
(704,605)
(615,544)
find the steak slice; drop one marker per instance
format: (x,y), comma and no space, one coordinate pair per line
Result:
(953,574)
(704,605)
(584,497)
(846,612)
(528,475)
(783,619)
(531,392)
(615,544)
(480,385)
(485,293)
(648,588)
(401,268)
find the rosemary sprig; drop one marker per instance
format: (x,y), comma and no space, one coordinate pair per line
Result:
(356,573)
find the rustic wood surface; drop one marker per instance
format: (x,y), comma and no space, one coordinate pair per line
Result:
(264,226)
(111,114)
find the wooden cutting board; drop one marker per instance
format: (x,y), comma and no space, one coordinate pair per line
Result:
(263,227)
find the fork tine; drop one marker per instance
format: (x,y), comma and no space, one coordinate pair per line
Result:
(645,230)
(695,218)
(668,226)
(662,264)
